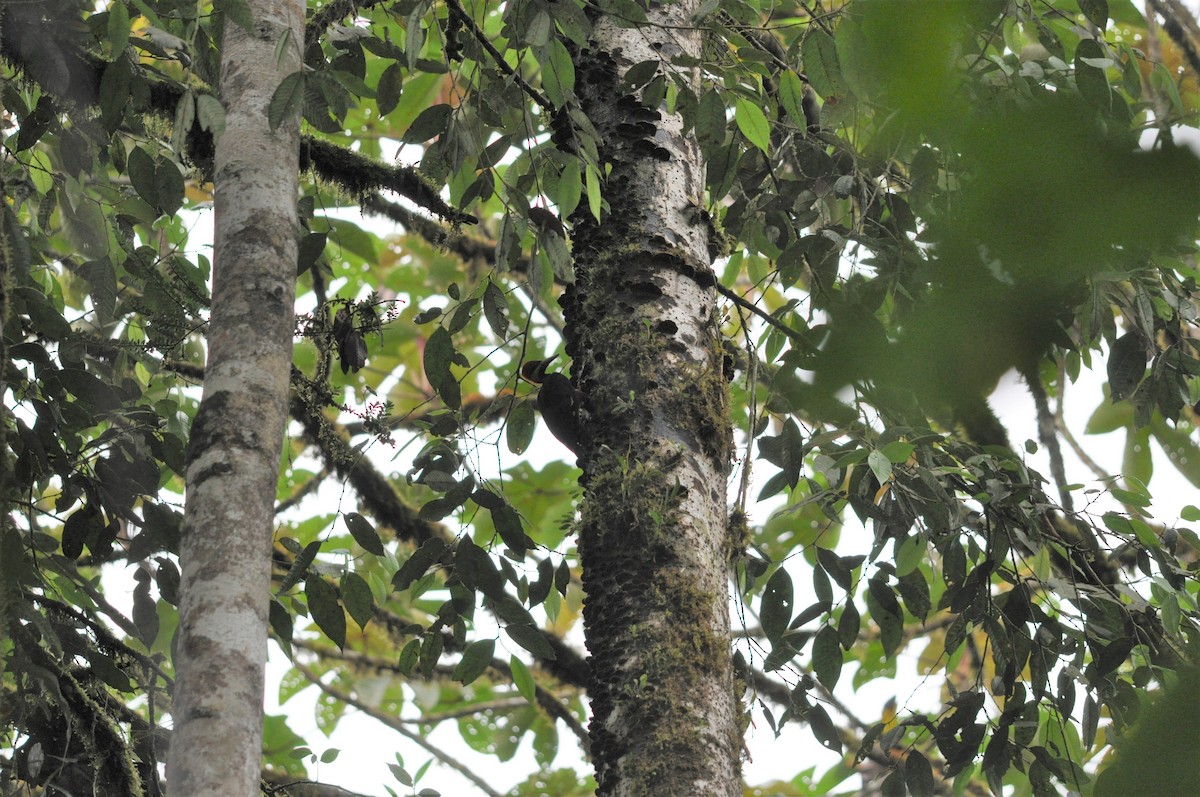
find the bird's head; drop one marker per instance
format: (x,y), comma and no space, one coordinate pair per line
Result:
(535,370)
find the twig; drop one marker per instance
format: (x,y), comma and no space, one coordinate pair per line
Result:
(395,724)
(1047,428)
(1060,423)
(758,311)
(458,11)
(309,487)
(549,702)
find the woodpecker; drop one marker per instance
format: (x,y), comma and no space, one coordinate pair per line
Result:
(558,401)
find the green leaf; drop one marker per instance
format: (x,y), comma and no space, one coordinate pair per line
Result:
(595,203)
(898,451)
(839,568)
(140,168)
(710,121)
(915,590)
(824,729)
(389,89)
(523,679)
(791,97)
(416,565)
(820,58)
(521,424)
(1090,722)
(211,114)
(775,606)
(849,625)
(1089,78)
(827,657)
(886,612)
(572,21)
(918,775)
(558,78)
(537,33)
(431,652)
(287,100)
(281,622)
(408,657)
(909,555)
(475,660)
(439,353)
(640,74)
(356,595)
(239,12)
(1157,757)
(430,123)
(117,33)
(508,525)
(753,123)
(509,610)
(625,13)
(1126,365)
(325,610)
(539,590)
(1130,497)
(1096,11)
(1108,417)
(495,310)
(1181,450)
(364,533)
(353,238)
(114,92)
(880,465)
(570,188)
(299,566)
(477,570)
(531,639)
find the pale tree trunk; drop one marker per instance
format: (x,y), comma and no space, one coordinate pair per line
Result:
(642,332)
(236,439)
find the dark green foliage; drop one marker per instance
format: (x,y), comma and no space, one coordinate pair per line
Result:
(981,194)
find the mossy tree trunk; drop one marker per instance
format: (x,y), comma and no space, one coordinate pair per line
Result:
(642,332)
(233,455)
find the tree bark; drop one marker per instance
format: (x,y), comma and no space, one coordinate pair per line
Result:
(643,334)
(236,439)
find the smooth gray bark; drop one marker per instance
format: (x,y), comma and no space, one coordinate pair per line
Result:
(236,439)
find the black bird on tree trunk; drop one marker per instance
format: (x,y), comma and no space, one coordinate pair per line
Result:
(559,402)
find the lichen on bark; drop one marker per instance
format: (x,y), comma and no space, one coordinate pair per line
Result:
(646,353)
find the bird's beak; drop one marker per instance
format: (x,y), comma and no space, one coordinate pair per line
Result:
(535,370)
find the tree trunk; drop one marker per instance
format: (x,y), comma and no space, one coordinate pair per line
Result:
(233,454)
(642,331)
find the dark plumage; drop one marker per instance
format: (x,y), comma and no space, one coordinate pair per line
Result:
(558,401)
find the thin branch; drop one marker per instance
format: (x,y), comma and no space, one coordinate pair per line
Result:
(471,249)
(1047,433)
(331,13)
(1060,424)
(104,637)
(379,497)
(758,311)
(306,490)
(396,725)
(457,10)
(549,702)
